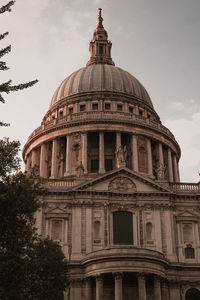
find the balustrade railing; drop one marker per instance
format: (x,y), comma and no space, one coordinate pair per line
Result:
(182,186)
(101,115)
(66,183)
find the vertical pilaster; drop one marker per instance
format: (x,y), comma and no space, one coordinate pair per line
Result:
(68,156)
(88,289)
(149,154)
(142,286)
(75,289)
(54,161)
(160,153)
(134,153)
(101,153)
(43,165)
(84,151)
(170,169)
(118,140)
(175,165)
(157,289)
(165,290)
(118,285)
(99,287)
(174,291)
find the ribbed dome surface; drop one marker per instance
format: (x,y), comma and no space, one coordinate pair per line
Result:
(99,78)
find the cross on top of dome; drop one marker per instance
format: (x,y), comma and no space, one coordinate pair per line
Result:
(100,46)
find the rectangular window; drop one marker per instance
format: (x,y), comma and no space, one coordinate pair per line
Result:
(94,165)
(131,109)
(119,107)
(94,106)
(100,49)
(71,110)
(107,106)
(61,114)
(123,228)
(108,165)
(82,107)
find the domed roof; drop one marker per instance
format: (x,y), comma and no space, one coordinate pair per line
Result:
(101,78)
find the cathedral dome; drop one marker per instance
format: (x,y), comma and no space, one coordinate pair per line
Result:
(99,77)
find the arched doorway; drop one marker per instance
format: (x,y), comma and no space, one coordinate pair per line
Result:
(192,294)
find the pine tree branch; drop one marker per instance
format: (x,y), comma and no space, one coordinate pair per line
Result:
(7,7)
(3,35)
(22,86)
(3,66)
(5,51)
(2,99)
(4,124)
(5,87)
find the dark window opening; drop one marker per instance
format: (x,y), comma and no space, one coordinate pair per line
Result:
(189,252)
(61,114)
(107,106)
(95,106)
(108,165)
(71,110)
(192,294)
(119,107)
(100,49)
(82,107)
(141,112)
(131,109)
(94,165)
(122,228)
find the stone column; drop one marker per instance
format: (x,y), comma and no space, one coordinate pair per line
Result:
(170,169)
(160,154)
(165,290)
(34,158)
(101,153)
(88,289)
(157,290)
(54,160)
(99,287)
(118,285)
(175,165)
(174,291)
(75,289)
(68,156)
(84,151)
(149,154)
(141,286)
(28,163)
(43,165)
(118,140)
(134,153)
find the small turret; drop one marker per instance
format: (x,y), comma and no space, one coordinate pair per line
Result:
(100,46)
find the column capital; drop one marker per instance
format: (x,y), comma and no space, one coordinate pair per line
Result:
(99,277)
(118,275)
(141,275)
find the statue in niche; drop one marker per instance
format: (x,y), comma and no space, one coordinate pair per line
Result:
(80,170)
(61,161)
(161,171)
(121,156)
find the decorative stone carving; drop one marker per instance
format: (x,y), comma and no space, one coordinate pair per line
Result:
(122,184)
(161,171)
(80,170)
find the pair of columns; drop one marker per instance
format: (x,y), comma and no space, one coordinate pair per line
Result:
(118,277)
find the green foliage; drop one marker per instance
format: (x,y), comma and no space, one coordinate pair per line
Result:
(30,268)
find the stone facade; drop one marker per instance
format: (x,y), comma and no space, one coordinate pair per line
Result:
(127,225)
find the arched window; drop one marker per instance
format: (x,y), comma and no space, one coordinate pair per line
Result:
(97,226)
(187,233)
(192,294)
(149,231)
(189,252)
(123,228)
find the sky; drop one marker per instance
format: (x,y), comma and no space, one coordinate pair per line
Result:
(157,41)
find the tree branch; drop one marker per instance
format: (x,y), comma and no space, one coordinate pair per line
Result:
(7,7)
(5,51)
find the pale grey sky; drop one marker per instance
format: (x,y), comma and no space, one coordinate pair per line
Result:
(155,40)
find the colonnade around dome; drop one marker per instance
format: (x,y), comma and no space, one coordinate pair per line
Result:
(81,153)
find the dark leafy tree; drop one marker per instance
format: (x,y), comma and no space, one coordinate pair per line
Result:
(7,87)
(30,268)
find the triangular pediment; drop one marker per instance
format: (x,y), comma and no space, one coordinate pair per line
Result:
(56,210)
(122,180)
(187,214)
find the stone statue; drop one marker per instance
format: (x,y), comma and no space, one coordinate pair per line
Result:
(80,170)
(121,156)
(160,172)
